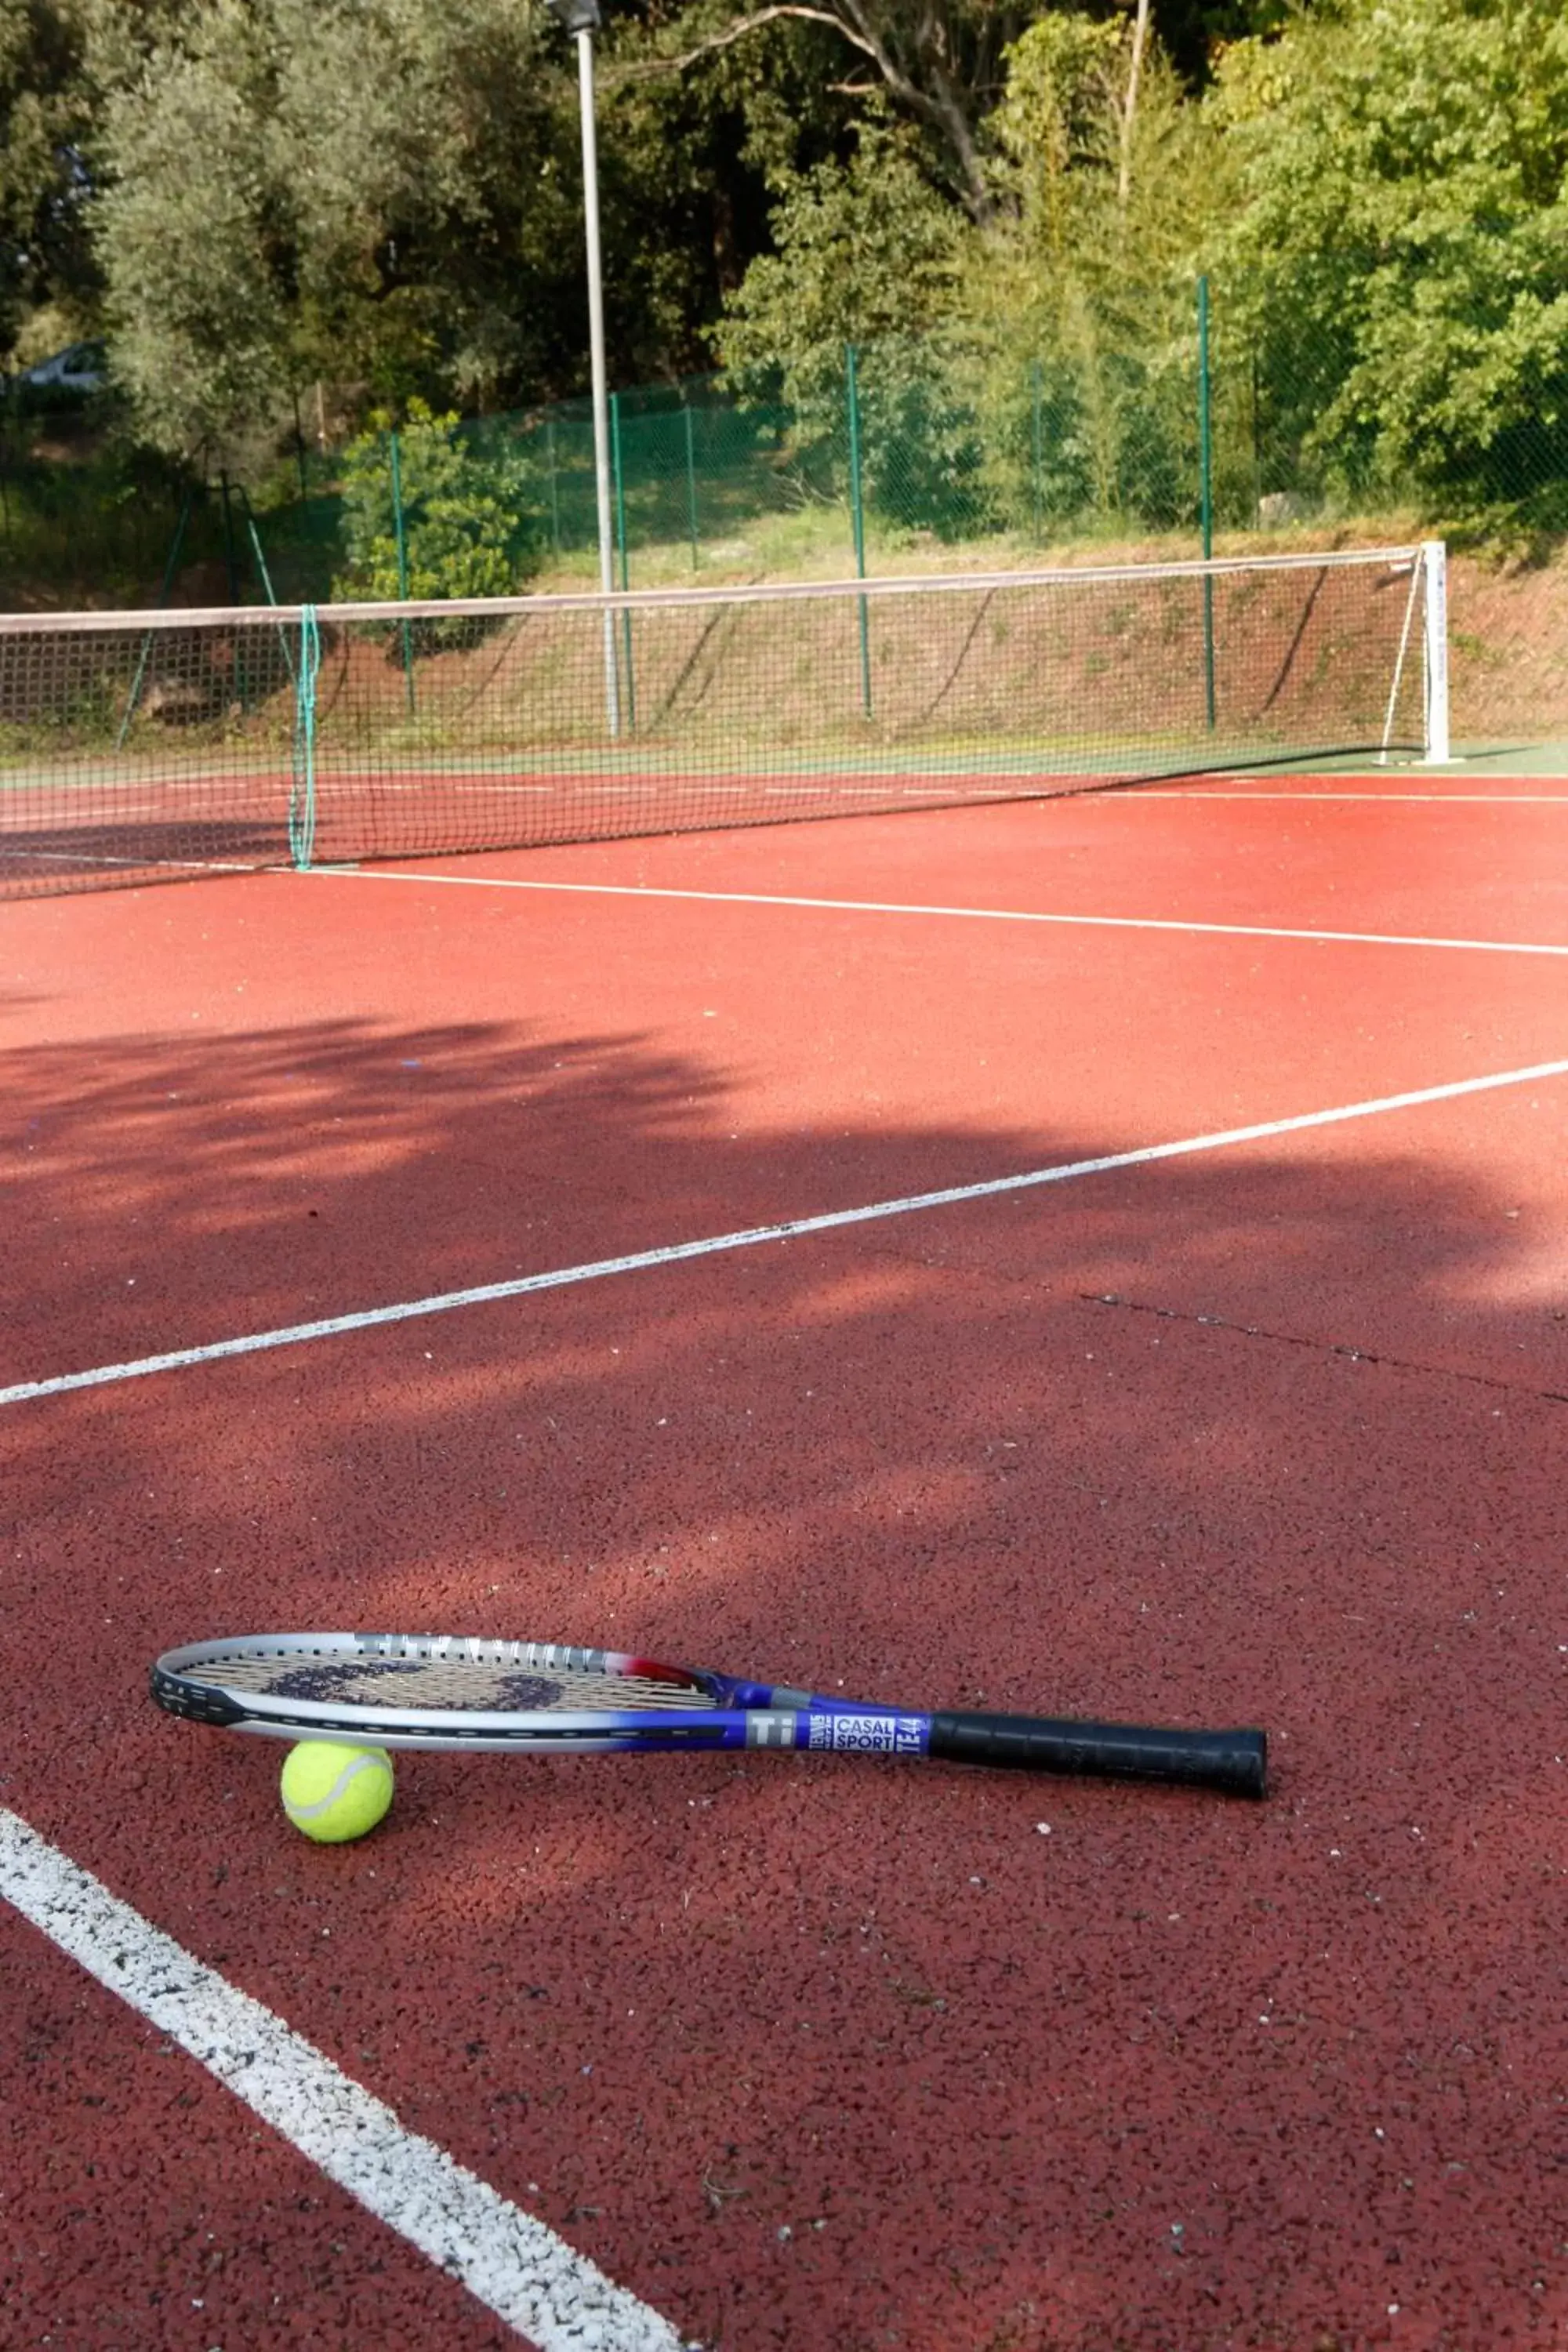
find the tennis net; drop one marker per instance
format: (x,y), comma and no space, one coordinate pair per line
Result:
(145,745)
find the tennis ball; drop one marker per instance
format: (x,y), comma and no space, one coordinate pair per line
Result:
(335,1793)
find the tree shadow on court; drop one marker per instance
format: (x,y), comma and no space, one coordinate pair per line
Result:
(809,2052)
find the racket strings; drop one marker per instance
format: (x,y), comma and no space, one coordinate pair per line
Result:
(478,1686)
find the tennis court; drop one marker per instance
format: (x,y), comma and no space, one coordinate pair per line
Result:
(1103,1255)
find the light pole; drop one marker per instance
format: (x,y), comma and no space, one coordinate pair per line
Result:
(581,19)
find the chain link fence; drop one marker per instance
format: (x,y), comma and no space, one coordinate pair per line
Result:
(1217,419)
(1210,418)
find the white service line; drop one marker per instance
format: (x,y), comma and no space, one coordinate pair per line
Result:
(511,2261)
(753,1236)
(1281,793)
(961,914)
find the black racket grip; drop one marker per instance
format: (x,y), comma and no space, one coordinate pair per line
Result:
(1235,1761)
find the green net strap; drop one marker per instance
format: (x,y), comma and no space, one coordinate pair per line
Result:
(302,794)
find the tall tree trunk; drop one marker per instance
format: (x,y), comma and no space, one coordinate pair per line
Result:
(1130,111)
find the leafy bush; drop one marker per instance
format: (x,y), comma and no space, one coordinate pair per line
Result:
(466,529)
(868,252)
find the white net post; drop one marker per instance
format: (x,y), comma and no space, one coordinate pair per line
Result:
(1435,569)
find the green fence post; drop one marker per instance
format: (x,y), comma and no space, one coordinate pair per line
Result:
(1205,487)
(1035,374)
(858,517)
(230,557)
(554,486)
(621,547)
(299,451)
(170,568)
(266,577)
(231,567)
(691,479)
(257,549)
(401,536)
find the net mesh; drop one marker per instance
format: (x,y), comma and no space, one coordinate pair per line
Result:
(133,746)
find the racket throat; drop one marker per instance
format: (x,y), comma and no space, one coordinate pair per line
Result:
(841,1731)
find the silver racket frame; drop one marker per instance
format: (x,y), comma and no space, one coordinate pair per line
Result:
(560,1731)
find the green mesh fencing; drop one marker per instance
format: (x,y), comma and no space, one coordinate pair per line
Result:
(1131,436)
(941,439)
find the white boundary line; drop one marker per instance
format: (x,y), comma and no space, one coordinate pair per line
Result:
(753,1236)
(510,2260)
(960,913)
(1271,791)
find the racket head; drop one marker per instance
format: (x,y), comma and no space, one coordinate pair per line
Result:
(433,1691)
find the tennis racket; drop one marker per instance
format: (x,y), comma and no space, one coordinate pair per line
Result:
(444,1691)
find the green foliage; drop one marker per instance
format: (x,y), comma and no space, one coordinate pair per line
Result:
(465,532)
(92,516)
(863,250)
(370,193)
(935,65)
(196,313)
(687,160)
(1061,109)
(1402,249)
(385,198)
(1080,309)
(298,212)
(45,122)
(427,156)
(869,255)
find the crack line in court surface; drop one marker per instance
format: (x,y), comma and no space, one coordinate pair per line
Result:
(963,914)
(1319,1347)
(507,2259)
(754,1236)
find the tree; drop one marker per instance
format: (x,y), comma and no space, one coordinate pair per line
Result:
(276,213)
(1402,250)
(1082,296)
(187,234)
(387,197)
(868,254)
(45,127)
(691,163)
(863,251)
(938,62)
(1193,33)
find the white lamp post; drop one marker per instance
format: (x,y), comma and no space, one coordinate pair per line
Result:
(581,19)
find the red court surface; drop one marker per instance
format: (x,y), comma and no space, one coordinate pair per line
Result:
(1262,1423)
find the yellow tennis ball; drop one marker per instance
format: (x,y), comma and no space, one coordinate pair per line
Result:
(336,1794)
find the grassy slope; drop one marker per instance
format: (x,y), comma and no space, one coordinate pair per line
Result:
(1508,612)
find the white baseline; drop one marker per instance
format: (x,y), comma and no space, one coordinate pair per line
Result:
(512,2262)
(754,1236)
(961,914)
